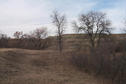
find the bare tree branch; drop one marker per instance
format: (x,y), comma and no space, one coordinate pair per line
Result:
(60,22)
(94,24)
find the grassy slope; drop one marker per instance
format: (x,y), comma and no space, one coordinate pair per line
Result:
(19,66)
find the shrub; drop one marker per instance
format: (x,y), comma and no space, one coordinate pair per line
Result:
(79,59)
(104,60)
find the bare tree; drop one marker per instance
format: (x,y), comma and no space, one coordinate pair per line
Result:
(60,22)
(34,40)
(95,25)
(40,33)
(3,36)
(4,40)
(37,38)
(18,34)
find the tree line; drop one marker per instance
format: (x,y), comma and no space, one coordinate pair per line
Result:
(37,39)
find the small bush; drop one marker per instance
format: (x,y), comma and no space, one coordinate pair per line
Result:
(80,59)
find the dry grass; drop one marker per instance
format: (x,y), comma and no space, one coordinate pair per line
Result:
(20,66)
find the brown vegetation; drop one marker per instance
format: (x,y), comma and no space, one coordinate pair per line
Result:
(19,66)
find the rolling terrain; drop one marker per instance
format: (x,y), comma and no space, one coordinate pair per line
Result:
(20,66)
(48,66)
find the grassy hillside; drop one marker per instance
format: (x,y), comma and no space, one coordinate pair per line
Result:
(19,66)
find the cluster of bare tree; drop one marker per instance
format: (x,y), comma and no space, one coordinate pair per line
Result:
(107,54)
(35,40)
(39,33)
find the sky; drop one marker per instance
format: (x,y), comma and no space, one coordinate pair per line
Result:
(27,15)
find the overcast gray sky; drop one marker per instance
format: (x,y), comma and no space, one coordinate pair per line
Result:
(26,15)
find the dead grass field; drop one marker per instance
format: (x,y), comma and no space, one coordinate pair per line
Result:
(20,66)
